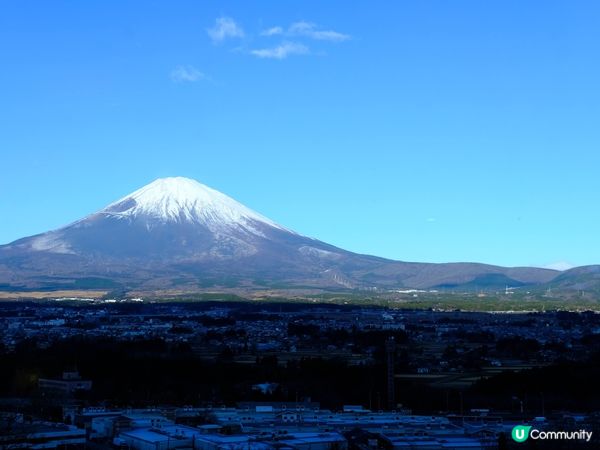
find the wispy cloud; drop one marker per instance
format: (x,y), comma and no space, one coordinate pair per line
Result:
(295,38)
(181,74)
(273,31)
(281,51)
(310,30)
(225,28)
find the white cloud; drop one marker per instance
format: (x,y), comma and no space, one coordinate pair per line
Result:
(559,265)
(282,51)
(225,27)
(310,30)
(182,74)
(273,31)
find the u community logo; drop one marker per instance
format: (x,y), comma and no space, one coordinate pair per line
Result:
(520,433)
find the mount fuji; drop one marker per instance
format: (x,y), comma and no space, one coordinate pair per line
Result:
(176,232)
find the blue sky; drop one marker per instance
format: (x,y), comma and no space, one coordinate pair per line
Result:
(424,131)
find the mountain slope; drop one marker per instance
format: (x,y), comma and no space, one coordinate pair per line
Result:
(584,278)
(178,232)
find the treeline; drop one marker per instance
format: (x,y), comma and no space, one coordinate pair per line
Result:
(149,372)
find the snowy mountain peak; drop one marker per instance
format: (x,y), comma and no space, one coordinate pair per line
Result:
(179,199)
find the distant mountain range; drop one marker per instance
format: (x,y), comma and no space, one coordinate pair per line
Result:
(178,233)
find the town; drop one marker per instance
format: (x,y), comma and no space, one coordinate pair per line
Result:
(235,374)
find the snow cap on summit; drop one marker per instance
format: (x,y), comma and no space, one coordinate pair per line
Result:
(179,199)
